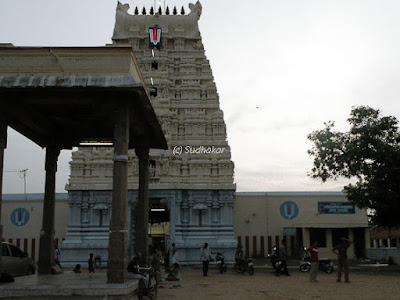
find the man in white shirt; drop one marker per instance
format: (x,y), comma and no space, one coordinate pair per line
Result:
(205,257)
(175,274)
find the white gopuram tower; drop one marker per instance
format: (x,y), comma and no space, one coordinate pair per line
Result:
(193,179)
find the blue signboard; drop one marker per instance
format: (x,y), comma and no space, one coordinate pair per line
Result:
(289,210)
(336,208)
(19,216)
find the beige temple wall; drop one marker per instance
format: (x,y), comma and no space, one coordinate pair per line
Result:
(249,215)
(254,215)
(259,224)
(27,236)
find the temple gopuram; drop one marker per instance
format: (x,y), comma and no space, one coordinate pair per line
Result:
(191,188)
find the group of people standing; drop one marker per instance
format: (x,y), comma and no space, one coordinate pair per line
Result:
(340,250)
(205,256)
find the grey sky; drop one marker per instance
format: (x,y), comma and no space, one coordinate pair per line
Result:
(300,62)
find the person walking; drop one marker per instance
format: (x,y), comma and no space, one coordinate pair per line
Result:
(156,265)
(91,263)
(175,274)
(174,254)
(57,256)
(205,258)
(283,257)
(313,253)
(341,251)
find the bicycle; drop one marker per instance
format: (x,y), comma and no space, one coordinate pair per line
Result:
(149,290)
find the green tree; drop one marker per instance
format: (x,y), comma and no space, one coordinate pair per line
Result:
(368,152)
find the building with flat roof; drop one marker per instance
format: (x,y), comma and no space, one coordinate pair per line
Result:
(21,217)
(263,219)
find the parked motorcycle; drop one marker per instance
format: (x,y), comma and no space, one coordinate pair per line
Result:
(221,262)
(325,264)
(243,264)
(276,262)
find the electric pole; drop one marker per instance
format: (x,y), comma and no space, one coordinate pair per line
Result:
(22,174)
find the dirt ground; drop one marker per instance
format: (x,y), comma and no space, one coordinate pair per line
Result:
(265,285)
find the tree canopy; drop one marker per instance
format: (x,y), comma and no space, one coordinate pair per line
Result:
(368,152)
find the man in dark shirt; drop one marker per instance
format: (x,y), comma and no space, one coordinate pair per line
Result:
(91,263)
(283,257)
(341,251)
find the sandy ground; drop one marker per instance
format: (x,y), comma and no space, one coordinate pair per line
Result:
(265,285)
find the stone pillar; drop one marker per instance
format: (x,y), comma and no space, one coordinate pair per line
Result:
(350,251)
(46,246)
(3,145)
(367,238)
(117,247)
(329,239)
(306,237)
(142,207)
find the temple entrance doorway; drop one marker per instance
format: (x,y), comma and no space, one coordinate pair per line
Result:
(159,226)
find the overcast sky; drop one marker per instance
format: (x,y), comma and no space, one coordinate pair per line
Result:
(282,69)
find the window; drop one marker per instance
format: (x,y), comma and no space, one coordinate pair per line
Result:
(319,235)
(393,243)
(153,91)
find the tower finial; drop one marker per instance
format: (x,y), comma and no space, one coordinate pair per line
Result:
(182,11)
(167,11)
(175,11)
(144,11)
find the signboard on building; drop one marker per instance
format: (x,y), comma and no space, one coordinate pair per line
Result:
(289,210)
(19,216)
(336,208)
